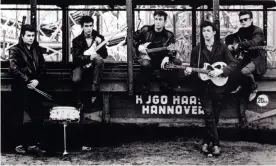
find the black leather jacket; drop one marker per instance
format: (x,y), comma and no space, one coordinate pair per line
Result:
(26,65)
(80,45)
(147,34)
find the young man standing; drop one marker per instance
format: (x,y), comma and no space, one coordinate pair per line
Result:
(27,67)
(252,61)
(210,51)
(158,36)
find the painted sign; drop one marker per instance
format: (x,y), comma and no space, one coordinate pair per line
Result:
(169,105)
(262,100)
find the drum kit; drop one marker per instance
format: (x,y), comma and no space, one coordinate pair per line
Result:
(64,115)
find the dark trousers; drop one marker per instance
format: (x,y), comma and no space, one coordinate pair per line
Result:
(31,102)
(211,104)
(80,73)
(147,67)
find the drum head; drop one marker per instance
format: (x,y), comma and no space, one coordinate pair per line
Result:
(64,108)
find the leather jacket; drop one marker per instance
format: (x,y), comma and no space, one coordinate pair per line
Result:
(25,64)
(147,34)
(80,45)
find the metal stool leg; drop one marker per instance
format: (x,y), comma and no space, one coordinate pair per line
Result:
(64,136)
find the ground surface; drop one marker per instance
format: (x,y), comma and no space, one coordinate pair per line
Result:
(177,150)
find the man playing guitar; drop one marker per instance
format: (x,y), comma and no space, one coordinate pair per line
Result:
(210,51)
(252,61)
(158,36)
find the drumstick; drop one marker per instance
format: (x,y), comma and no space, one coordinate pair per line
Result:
(43,94)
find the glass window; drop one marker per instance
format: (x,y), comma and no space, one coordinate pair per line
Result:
(271,37)
(49,26)
(11,21)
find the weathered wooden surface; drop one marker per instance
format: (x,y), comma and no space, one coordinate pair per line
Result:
(119,107)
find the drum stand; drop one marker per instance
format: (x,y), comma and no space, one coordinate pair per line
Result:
(65,123)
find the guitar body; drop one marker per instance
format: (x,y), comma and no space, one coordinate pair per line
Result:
(219,81)
(152,47)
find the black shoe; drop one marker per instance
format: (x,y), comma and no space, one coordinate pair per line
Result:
(253,94)
(36,150)
(20,149)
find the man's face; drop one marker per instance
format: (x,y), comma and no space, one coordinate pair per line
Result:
(28,37)
(208,33)
(245,20)
(159,21)
(87,28)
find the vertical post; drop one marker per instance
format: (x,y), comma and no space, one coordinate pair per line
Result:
(106,110)
(65,35)
(130,45)
(193,27)
(174,24)
(265,22)
(33,13)
(216,18)
(4,44)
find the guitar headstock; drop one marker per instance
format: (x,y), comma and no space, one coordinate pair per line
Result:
(271,48)
(172,47)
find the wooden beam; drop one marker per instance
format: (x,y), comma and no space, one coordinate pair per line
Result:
(33,13)
(130,13)
(216,18)
(65,35)
(257,116)
(265,22)
(193,27)
(106,109)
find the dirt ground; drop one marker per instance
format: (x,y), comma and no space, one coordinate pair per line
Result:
(155,152)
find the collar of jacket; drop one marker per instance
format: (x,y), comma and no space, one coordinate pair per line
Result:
(215,49)
(152,28)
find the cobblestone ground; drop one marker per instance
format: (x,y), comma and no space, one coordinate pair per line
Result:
(173,151)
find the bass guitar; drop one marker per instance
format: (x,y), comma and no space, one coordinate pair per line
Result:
(203,72)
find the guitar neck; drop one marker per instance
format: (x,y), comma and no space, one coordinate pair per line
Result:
(151,50)
(198,70)
(256,47)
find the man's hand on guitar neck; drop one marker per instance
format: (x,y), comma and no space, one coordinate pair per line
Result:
(188,71)
(142,49)
(215,72)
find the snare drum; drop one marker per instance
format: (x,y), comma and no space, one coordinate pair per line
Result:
(64,113)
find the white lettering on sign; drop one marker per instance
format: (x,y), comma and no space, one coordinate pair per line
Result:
(262,100)
(156,104)
(166,110)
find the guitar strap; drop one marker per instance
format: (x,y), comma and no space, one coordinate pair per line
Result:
(199,55)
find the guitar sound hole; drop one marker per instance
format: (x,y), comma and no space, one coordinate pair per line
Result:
(210,68)
(218,67)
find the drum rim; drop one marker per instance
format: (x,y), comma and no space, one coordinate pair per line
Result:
(64,107)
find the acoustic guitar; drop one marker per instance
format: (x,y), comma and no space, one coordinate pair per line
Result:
(203,72)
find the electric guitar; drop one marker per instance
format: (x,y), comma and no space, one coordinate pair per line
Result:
(146,55)
(92,51)
(203,72)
